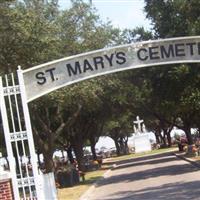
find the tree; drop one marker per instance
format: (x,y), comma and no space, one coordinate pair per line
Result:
(119,131)
(27,35)
(136,34)
(118,122)
(81,30)
(34,32)
(48,124)
(173,18)
(168,19)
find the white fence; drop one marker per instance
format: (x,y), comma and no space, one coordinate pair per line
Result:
(27,181)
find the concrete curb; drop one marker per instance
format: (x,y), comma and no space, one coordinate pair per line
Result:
(87,194)
(191,161)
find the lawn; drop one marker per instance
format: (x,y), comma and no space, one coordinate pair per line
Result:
(156,151)
(74,193)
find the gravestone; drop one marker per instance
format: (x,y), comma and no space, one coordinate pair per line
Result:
(141,140)
(142,143)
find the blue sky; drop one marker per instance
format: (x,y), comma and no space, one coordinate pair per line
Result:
(122,13)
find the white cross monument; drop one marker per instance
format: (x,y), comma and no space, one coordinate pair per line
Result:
(141,139)
(139,127)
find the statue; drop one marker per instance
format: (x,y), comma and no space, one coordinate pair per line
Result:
(140,126)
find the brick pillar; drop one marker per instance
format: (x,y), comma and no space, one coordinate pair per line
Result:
(6,192)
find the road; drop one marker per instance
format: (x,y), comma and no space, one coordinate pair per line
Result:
(157,177)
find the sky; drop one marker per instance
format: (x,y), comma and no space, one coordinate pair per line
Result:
(122,13)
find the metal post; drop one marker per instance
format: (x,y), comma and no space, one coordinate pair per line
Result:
(37,179)
(28,183)
(6,129)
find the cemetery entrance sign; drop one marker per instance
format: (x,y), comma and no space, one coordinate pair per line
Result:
(27,181)
(50,76)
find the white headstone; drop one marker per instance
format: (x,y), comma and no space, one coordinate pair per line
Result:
(142,143)
(141,139)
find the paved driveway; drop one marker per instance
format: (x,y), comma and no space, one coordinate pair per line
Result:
(157,177)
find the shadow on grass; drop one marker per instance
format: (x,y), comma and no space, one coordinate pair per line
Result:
(139,158)
(146,161)
(90,180)
(105,167)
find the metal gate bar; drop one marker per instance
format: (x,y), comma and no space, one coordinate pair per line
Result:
(18,137)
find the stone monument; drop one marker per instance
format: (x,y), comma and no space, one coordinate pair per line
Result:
(141,139)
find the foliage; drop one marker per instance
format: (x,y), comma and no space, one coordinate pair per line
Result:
(27,35)
(171,19)
(34,32)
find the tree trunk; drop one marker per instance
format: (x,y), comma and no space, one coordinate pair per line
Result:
(126,147)
(163,140)
(169,139)
(117,147)
(157,137)
(77,145)
(167,133)
(69,154)
(93,151)
(38,157)
(92,146)
(187,130)
(121,145)
(48,162)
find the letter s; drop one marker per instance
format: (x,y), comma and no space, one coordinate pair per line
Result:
(41,78)
(121,58)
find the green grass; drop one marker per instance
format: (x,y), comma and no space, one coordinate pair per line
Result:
(156,151)
(74,193)
(196,159)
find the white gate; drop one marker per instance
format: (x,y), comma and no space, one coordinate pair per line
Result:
(26,180)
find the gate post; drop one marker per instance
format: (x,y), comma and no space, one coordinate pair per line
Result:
(27,180)
(45,184)
(37,177)
(6,129)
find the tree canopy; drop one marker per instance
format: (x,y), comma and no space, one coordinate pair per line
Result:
(34,32)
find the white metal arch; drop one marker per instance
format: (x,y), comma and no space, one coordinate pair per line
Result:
(50,76)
